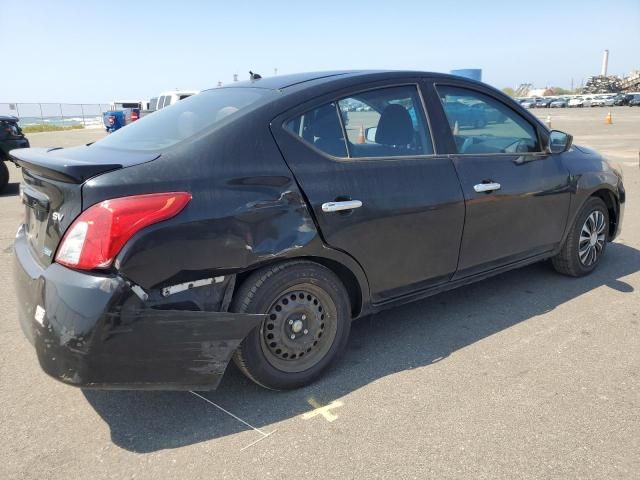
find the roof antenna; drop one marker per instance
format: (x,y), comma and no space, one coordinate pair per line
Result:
(254,76)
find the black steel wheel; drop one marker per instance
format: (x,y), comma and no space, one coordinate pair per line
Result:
(300,329)
(586,242)
(306,328)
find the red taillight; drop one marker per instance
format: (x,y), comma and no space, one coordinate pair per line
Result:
(97,235)
(111,119)
(134,116)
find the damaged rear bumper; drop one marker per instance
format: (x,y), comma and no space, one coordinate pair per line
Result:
(92,331)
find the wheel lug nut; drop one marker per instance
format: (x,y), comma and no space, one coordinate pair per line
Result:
(304,317)
(290,322)
(293,337)
(306,331)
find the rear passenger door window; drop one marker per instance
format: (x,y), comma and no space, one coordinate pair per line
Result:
(386,122)
(321,128)
(483,125)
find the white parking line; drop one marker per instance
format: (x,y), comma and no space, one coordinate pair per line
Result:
(264,435)
(259,440)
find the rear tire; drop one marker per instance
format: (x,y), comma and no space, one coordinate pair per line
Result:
(4,175)
(307,327)
(586,242)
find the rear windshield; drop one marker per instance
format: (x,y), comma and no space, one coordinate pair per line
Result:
(164,128)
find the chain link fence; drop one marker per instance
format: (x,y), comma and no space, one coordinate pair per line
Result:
(57,115)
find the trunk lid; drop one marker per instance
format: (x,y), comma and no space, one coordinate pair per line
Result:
(52,188)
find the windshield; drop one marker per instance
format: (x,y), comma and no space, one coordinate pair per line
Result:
(164,128)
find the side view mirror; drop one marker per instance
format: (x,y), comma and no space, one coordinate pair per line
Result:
(370,134)
(559,141)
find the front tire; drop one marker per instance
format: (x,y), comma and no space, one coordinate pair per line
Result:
(586,242)
(306,329)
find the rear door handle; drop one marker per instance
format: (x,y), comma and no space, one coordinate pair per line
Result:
(487,187)
(339,206)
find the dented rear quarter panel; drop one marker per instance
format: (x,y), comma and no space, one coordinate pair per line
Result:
(246,210)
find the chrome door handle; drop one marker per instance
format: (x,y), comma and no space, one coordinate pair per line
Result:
(339,206)
(487,187)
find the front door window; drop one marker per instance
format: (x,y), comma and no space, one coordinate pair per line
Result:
(483,125)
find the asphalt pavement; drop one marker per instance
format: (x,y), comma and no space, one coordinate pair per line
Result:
(527,375)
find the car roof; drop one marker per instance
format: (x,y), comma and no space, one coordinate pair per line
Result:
(302,80)
(299,88)
(8,118)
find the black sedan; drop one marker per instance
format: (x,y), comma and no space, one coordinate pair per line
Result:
(255,222)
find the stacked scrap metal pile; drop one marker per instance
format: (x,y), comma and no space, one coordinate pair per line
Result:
(523,90)
(632,82)
(603,84)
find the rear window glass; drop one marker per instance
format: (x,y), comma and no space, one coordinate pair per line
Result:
(164,128)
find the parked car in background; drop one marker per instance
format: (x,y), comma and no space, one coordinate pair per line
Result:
(609,100)
(11,137)
(490,114)
(543,102)
(575,102)
(133,104)
(114,120)
(634,101)
(529,102)
(169,98)
(597,101)
(465,115)
(123,113)
(249,222)
(559,103)
(622,99)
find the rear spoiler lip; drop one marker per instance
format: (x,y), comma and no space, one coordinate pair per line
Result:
(38,161)
(76,165)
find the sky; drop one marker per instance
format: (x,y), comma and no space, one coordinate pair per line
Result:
(90,51)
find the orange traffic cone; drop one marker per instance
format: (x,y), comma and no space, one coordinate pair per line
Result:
(609,119)
(361,138)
